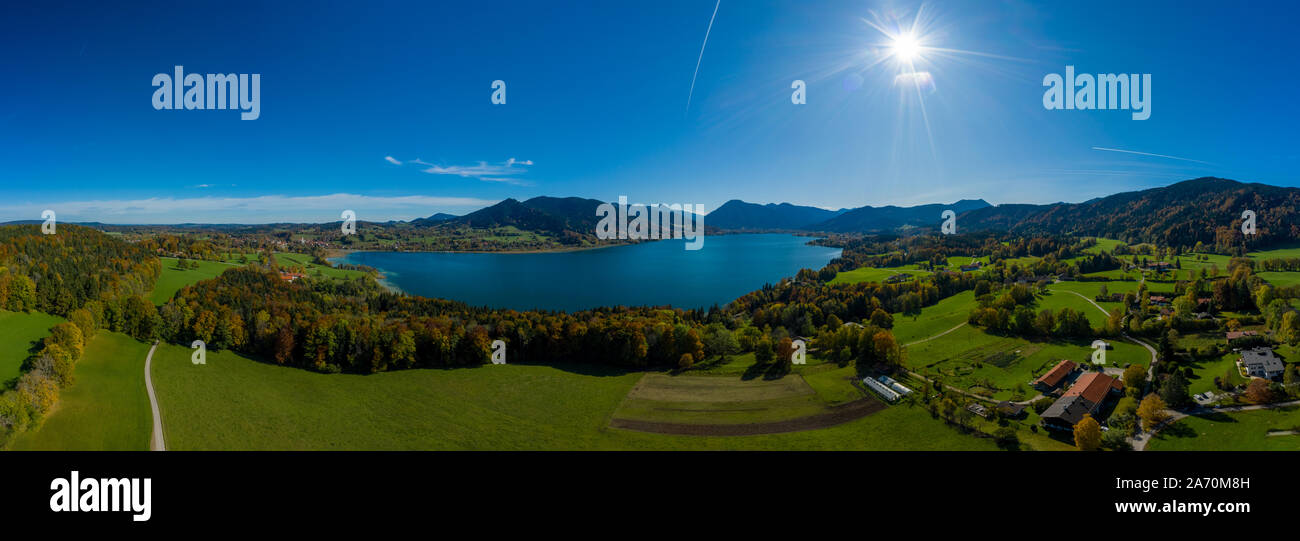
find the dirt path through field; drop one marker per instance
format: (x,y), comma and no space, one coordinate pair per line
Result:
(963,324)
(156,442)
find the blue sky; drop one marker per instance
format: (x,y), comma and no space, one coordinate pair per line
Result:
(597,104)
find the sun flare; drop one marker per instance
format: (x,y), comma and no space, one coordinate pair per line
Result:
(905,47)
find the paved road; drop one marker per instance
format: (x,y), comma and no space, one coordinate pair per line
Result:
(156,442)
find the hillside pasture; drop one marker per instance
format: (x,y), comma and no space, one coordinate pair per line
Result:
(106,407)
(234,402)
(23,332)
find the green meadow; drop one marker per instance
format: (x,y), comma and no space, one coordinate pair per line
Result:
(105,408)
(940,317)
(1002,367)
(1242,431)
(873,274)
(303,260)
(1056,300)
(1279,253)
(1104,245)
(23,331)
(174,278)
(237,403)
(1280,279)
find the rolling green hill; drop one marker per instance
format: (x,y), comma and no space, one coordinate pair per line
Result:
(105,409)
(236,403)
(22,331)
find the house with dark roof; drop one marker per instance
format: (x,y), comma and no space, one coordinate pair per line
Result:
(1056,376)
(1085,397)
(1011,410)
(1066,412)
(896,278)
(1260,363)
(1159,266)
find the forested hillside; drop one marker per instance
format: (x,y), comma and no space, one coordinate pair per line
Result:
(1207,211)
(95,280)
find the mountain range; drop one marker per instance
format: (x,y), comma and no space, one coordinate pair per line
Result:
(1205,210)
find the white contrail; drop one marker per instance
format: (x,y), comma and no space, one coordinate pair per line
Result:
(1149,154)
(701,58)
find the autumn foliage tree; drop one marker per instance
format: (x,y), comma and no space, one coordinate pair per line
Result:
(1260,391)
(1087,434)
(1152,411)
(1135,376)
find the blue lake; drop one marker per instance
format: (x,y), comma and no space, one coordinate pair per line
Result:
(651,273)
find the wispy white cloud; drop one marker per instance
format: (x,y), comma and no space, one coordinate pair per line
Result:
(245,210)
(506,180)
(392,160)
(506,171)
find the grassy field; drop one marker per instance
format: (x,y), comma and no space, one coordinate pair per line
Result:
(174,278)
(105,409)
(22,332)
(718,400)
(237,403)
(944,315)
(1244,431)
(304,261)
(1104,245)
(1056,300)
(1001,367)
(1285,253)
(1092,289)
(872,274)
(1281,279)
(1204,372)
(1195,263)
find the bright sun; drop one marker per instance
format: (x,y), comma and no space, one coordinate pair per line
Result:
(905,47)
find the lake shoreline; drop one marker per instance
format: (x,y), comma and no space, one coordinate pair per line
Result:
(333,253)
(642,274)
